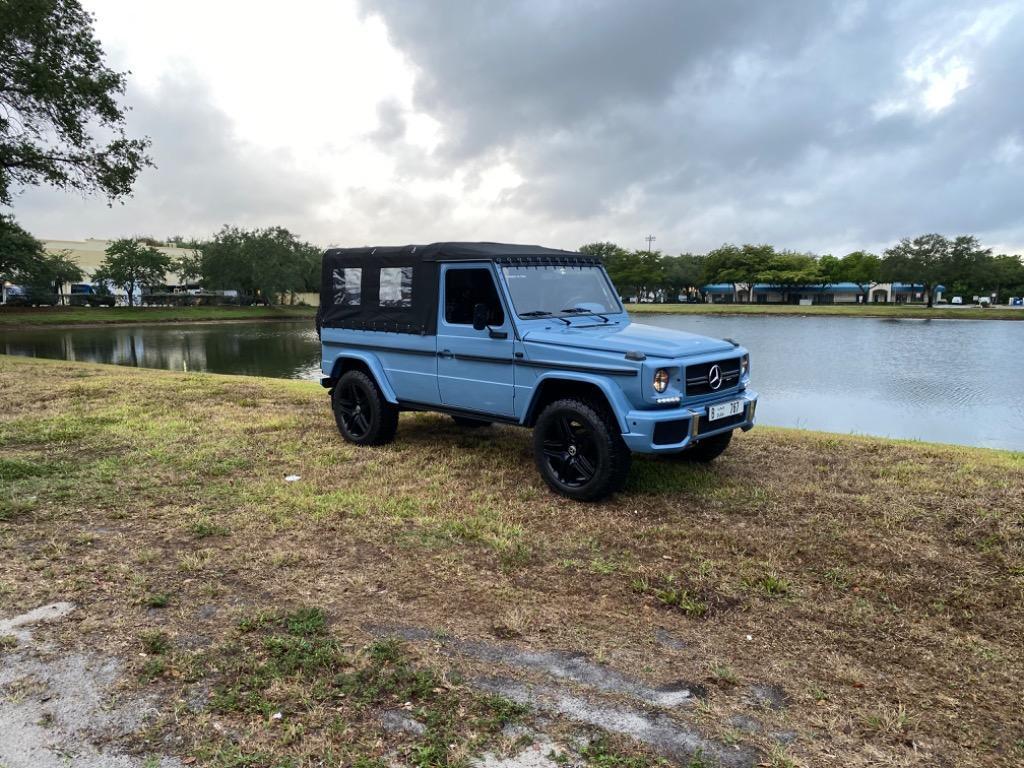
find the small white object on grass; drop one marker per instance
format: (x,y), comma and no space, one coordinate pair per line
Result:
(292,478)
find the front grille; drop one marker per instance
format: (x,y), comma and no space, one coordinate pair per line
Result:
(697,382)
(671,432)
(704,425)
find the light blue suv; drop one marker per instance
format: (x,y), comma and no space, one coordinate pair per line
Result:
(491,332)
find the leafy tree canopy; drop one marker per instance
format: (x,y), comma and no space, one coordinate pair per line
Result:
(20,253)
(60,119)
(259,262)
(131,265)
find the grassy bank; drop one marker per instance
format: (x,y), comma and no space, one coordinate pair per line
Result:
(877,586)
(14,317)
(871,310)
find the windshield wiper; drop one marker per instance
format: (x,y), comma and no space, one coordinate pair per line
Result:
(543,313)
(584,310)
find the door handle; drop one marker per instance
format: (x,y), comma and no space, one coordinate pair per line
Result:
(445,353)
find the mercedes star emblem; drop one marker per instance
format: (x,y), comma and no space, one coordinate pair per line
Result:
(715,377)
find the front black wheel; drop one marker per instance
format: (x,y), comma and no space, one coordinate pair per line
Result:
(363,416)
(708,449)
(579,450)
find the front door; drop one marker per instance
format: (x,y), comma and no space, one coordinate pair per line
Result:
(474,368)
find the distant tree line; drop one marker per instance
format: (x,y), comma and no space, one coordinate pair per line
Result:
(960,264)
(260,264)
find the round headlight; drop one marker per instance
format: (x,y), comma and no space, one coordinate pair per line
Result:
(660,380)
(745,365)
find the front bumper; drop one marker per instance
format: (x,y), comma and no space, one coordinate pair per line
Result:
(681,427)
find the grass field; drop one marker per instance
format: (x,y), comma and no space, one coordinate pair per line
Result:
(875,588)
(871,310)
(35,316)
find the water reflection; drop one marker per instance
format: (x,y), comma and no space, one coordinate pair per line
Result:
(280,350)
(950,381)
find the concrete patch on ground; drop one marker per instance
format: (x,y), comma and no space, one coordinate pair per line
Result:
(572,667)
(17,625)
(658,731)
(540,754)
(57,709)
(577,689)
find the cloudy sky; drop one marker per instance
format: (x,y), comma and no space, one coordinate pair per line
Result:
(813,125)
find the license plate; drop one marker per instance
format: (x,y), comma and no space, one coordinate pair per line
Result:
(716,412)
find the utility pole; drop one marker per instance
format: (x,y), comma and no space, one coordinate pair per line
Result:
(650,239)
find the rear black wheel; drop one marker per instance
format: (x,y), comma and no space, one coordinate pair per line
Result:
(708,449)
(363,416)
(470,423)
(579,450)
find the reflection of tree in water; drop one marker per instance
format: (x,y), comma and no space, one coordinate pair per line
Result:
(280,350)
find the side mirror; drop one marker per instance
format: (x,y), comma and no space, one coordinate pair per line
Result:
(479,317)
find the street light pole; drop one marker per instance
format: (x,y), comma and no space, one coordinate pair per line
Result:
(650,239)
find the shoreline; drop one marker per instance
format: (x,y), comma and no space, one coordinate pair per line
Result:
(97,317)
(65,318)
(786,310)
(149,323)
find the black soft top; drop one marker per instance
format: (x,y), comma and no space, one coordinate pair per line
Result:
(410,281)
(459,252)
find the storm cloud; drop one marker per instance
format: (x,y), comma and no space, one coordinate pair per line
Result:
(813,125)
(808,124)
(205,176)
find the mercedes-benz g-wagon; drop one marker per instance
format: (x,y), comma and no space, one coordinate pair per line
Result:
(490,332)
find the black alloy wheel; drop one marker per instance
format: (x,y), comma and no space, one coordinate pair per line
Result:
(570,450)
(363,416)
(579,450)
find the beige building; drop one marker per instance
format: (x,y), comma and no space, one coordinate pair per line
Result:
(90,253)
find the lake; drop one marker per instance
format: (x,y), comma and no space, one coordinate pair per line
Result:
(952,381)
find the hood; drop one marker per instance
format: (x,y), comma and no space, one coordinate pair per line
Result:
(649,339)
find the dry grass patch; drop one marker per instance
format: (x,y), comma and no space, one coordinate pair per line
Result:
(880,584)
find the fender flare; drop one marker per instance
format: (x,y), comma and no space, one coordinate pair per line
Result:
(616,398)
(372,362)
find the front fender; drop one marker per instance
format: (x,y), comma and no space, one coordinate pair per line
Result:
(371,361)
(613,393)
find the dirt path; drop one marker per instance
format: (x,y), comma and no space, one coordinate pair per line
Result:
(57,707)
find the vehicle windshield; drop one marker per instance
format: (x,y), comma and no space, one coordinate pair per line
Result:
(553,290)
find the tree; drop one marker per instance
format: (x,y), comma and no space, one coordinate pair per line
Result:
(925,260)
(969,268)
(861,268)
(53,271)
(683,273)
(188,267)
(1007,275)
(264,263)
(20,253)
(737,265)
(788,271)
(130,265)
(55,93)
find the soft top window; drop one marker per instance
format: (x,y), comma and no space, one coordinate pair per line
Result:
(348,283)
(395,287)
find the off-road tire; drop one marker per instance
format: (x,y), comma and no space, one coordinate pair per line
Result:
(471,423)
(707,450)
(597,439)
(362,414)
